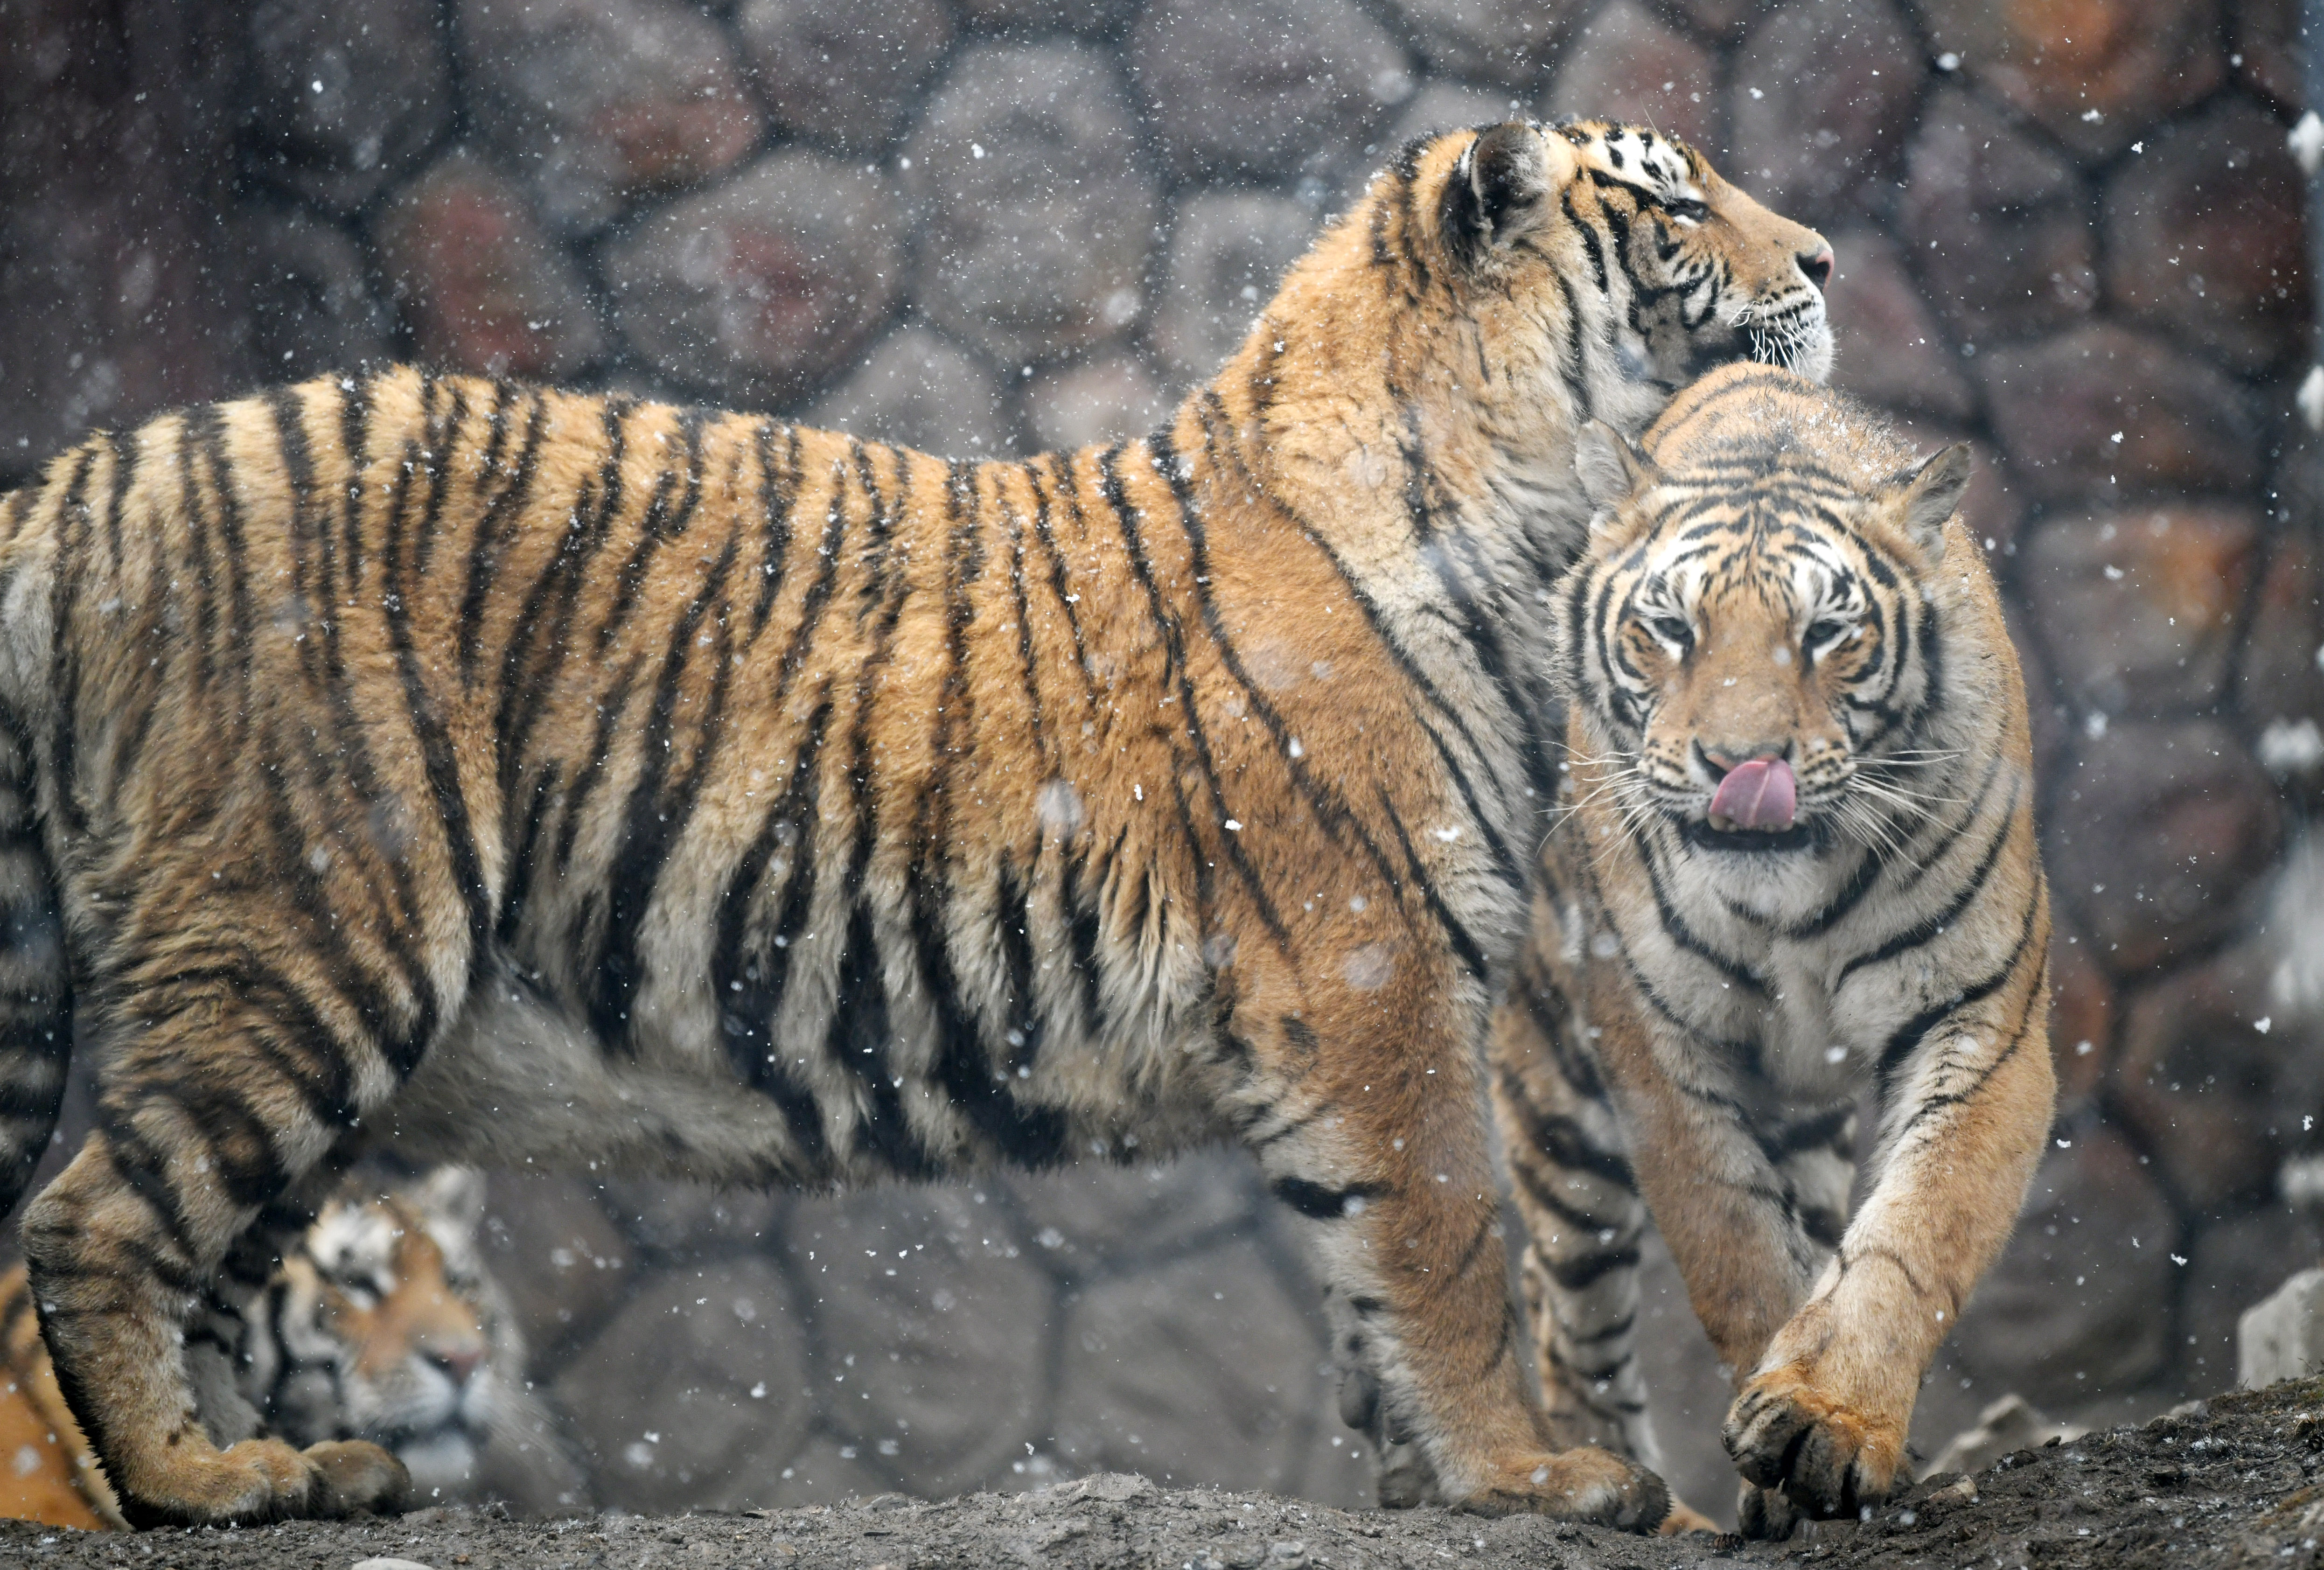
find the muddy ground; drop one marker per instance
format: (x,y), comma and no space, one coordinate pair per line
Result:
(2231,1483)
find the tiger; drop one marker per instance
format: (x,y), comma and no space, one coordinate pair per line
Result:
(381,1322)
(1792,862)
(497,775)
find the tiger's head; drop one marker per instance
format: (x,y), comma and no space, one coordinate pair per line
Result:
(1493,291)
(1753,639)
(1671,271)
(385,1328)
(1714,276)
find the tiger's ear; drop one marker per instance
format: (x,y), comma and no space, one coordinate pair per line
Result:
(1500,188)
(452,1194)
(1612,468)
(1925,496)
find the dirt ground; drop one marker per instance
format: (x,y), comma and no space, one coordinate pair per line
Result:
(2229,1484)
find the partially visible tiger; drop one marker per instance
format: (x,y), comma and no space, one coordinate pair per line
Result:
(381,1324)
(1795,858)
(510,776)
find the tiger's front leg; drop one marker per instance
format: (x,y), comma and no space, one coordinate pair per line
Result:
(1824,1415)
(210,1117)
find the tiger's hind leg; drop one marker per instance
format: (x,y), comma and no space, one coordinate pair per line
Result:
(219,1099)
(1584,1225)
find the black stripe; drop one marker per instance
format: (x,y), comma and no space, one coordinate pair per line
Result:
(1925,930)
(748,977)
(1319,1201)
(1175,673)
(1907,1037)
(858,1040)
(655,820)
(485,553)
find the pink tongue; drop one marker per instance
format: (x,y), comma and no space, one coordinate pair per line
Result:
(1758,794)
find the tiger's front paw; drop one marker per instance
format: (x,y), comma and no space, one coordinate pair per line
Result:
(265,1480)
(1826,1458)
(353,1476)
(1582,1485)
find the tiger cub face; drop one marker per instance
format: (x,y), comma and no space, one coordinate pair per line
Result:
(1718,277)
(387,1328)
(1755,659)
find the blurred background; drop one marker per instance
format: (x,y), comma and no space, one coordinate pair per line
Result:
(2068,230)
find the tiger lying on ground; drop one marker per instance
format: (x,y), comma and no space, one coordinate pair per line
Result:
(508,776)
(381,1324)
(1795,859)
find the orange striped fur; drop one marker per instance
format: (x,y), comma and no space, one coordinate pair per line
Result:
(515,776)
(1702,1004)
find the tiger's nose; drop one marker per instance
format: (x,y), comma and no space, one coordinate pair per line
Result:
(1817,264)
(457,1363)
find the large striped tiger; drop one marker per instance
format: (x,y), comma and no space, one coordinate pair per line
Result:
(1794,860)
(517,777)
(381,1322)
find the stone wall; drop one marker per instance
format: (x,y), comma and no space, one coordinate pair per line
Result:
(2069,234)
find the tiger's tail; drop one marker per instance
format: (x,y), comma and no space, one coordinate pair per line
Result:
(35,979)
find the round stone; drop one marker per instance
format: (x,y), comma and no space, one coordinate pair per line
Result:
(1270,87)
(481,287)
(1035,218)
(841,73)
(596,101)
(760,286)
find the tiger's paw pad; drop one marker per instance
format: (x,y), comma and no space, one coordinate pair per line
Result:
(1829,1459)
(352,1477)
(1582,1485)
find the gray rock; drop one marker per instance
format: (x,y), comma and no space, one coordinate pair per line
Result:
(2011,1423)
(564,1268)
(1036,218)
(479,284)
(1888,347)
(1095,1214)
(1269,87)
(842,74)
(1228,249)
(1996,222)
(1625,63)
(1200,1370)
(1820,100)
(698,1388)
(1441,106)
(2282,1337)
(344,100)
(1109,398)
(2203,238)
(1499,40)
(760,286)
(2067,1312)
(670,1218)
(932,1331)
(596,101)
(917,389)
(308,306)
(2139,610)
